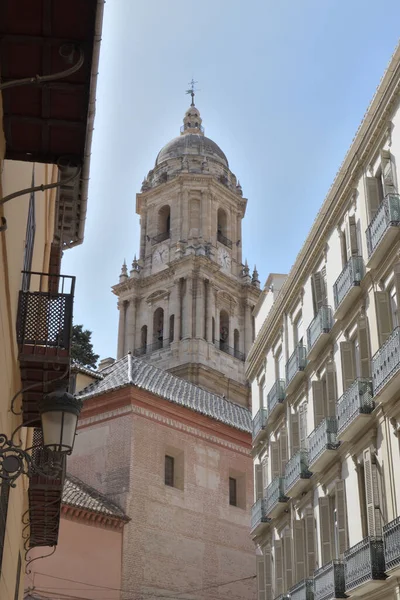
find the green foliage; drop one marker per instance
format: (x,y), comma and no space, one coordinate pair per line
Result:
(82,347)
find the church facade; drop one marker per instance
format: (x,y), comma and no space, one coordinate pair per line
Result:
(186,304)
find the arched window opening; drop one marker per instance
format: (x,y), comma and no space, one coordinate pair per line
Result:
(164,224)
(158,328)
(222,222)
(143,339)
(171,328)
(224,331)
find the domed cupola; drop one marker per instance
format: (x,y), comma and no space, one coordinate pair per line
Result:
(192,122)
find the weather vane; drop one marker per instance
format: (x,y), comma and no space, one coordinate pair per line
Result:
(192,90)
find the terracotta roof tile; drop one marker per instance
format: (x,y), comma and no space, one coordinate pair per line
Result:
(78,494)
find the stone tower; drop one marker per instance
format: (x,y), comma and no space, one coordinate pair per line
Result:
(186,304)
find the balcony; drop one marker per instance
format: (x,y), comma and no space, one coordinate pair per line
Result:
(318,331)
(347,286)
(354,409)
(385,365)
(232,351)
(275,398)
(258,516)
(44,329)
(295,367)
(259,423)
(364,566)
(224,240)
(329,581)
(150,348)
(296,474)
(161,237)
(322,444)
(282,597)
(383,229)
(391,540)
(304,590)
(275,498)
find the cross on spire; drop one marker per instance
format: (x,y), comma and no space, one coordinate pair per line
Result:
(192,90)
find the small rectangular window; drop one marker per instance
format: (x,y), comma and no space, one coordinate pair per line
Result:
(232,491)
(169,470)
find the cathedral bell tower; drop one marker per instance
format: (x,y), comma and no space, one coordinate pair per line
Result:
(186,304)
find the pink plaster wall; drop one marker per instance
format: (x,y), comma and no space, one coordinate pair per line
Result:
(85,553)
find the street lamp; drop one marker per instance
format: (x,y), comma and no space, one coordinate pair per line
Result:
(59,412)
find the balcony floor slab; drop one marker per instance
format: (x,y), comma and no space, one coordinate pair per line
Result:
(369,587)
(354,427)
(347,302)
(383,246)
(390,389)
(318,346)
(277,509)
(295,382)
(323,460)
(298,487)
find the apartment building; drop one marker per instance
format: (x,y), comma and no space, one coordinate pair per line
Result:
(324,371)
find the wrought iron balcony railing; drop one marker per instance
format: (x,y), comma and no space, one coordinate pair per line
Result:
(329,581)
(274,494)
(224,240)
(388,215)
(350,277)
(296,468)
(149,348)
(258,515)
(322,323)
(161,237)
(364,562)
(259,422)
(296,363)
(282,597)
(386,362)
(276,395)
(322,438)
(304,590)
(391,539)
(232,351)
(356,400)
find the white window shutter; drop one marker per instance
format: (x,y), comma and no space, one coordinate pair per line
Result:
(341,512)
(299,549)
(265,472)
(318,402)
(268,573)
(259,481)
(396,270)
(384,317)
(373,196)
(363,342)
(310,542)
(388,173)
(348,366)
(353,236)
(275,460)
(283,450)
(287,551)
(331,390)
(318,289)
(278,555)
(325,529)
(347,238)
(295,437)
(372,494)
(260,577)
(303,426)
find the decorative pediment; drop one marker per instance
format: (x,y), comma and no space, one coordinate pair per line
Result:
(227,301)
(157,296)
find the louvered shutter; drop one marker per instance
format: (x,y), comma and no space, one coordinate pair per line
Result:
(268,573)
(278,552)
(331,390)
(396,271)
(373,196)
(318,402)
(318,289)
(384,316)
(388,173)
(259,482)
(363,342)
(295,437)
(283,450)
(347,238)
(353,236)
(341,514)
(287,551)
(310,542)
(348,367)
(303,426)
(260,577)
(265,472)
(372,494)
(325,529)
(275,462)
(299,549)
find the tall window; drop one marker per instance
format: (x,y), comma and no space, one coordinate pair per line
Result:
(158,326)
(279,371)
(222,226)
(164,219)
(298,330)
(232,491)
(224,330)
(394,307)
(169,470)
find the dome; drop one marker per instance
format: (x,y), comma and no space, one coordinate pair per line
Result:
(192,144)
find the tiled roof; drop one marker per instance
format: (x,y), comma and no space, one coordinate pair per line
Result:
(77,367)
(78,494)
(133,371)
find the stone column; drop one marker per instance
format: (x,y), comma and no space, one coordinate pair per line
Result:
(143,232)
(239,247)
(234,240)
(210,310)
(177,310)
(185,214)
(150,325)
(231,330)
(247,328)
(188,312)
(130,326)
(200,307)
(166,323)
(217,325)
(121,328)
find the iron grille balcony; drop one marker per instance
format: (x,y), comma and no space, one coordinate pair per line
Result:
(282,597)
(258,515)
(391,538)
(364,562)
(149,348)
(320,325)
(232,351)
(349,278)
(274,495)
(357,400)
(388,215)
(276,395)
(386,362)
(304,590)
(329,581)
(161,237)
(259,422)
(296,363)
(224,240)
(296,471)
(321,439)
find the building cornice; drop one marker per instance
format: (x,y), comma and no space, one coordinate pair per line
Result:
(92,518)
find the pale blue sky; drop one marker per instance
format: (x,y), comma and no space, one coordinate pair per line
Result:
(283,88)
